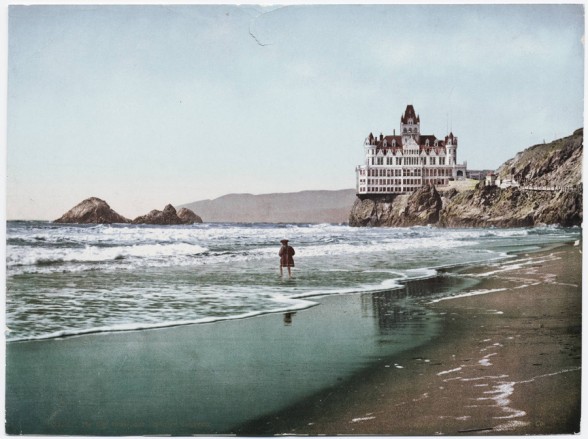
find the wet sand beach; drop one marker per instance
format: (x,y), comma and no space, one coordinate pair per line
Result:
(507,362)
(388,363)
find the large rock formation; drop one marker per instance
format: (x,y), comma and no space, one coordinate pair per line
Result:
(420,208)
(92,211)
(188,217)
(555,168)
(168,216)
(512,207)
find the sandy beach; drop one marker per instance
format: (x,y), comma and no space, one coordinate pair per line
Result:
(508,362)
(505,359)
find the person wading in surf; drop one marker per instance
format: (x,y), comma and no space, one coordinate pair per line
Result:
(286,257)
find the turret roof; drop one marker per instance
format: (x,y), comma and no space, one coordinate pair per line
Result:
(409,113)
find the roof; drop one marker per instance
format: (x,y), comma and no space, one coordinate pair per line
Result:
(422,142)
(409,113)
(450,136)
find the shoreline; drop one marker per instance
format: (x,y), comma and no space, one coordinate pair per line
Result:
(199,379)
(496,368)
(400,284)
(143,382)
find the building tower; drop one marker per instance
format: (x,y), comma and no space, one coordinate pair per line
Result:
(410,125)
(451,146)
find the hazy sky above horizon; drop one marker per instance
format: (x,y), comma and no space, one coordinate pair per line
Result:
(148,105)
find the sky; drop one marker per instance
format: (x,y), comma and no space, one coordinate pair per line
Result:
(145,105)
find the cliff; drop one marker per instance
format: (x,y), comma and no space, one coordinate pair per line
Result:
(92,211)
(294,207)
(555,168)
(557,163)
(420,208)
(512,207)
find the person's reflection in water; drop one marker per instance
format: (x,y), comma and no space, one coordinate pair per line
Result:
(288,318)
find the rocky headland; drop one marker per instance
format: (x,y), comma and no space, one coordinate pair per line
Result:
(541,185)
(96,211)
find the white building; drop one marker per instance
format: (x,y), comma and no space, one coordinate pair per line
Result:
(402,163)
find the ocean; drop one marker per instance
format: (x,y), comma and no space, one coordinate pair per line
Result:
(66,280)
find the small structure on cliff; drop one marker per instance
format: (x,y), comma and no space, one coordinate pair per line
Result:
(490,179)
(403,163)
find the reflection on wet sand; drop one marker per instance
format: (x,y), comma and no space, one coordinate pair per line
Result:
(394,308)
(288,318)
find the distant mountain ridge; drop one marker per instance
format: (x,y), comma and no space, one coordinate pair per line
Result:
(318,206)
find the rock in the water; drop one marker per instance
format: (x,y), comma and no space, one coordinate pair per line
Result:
(168,216)
(188,216)
(92,211)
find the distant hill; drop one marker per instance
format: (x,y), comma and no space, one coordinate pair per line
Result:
(294,207)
